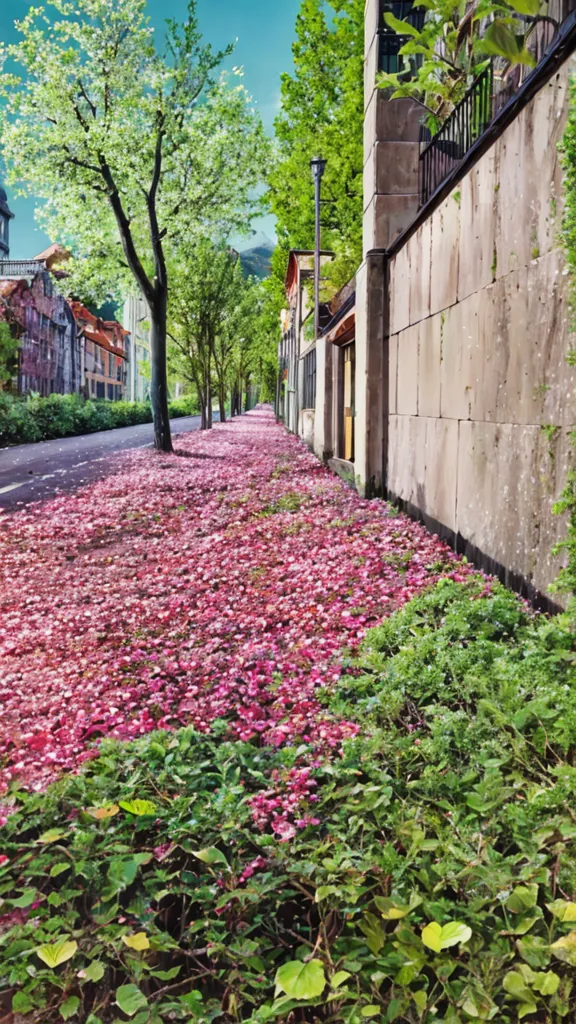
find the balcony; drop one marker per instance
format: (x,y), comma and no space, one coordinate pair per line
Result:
(21,268)
(492,91)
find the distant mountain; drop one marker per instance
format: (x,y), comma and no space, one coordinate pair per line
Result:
(257,261)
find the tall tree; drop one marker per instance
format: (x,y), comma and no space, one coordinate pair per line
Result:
(132,148)
(322,115)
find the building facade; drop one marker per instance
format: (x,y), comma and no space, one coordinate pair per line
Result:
(49,357)
(136,321)
(6,216)
(452,389)
(105,347)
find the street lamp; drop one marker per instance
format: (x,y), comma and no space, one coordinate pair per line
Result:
(318,166)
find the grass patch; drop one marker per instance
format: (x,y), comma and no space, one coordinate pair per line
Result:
(439,884)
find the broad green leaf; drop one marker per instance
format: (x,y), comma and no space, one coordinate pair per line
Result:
(323,891)
(525,1009)
(438,937)
(515,985)
(371,1010)
(130,999)
(403,28)
(546,983)
(563,910)
(339,978)
(21,1003)
(211,855)
(522,899)
(525,6)
(138,941)
(372,928)
(101,813)
(57,953)
(53,835)
(166,975)
(59,869)
(420,999)
(121,874)
(69,1007)
(390,910)
(565,949)
(469,1007)
(94,971)
(26,899)
(140,808)
(301,981)
(499,40)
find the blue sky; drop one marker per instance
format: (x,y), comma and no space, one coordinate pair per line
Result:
(264,30)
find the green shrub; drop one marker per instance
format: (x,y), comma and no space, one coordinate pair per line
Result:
(440,884)
(41,419)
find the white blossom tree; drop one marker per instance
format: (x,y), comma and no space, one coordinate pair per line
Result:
(134,148)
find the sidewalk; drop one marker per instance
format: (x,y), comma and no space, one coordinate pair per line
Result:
(221,582)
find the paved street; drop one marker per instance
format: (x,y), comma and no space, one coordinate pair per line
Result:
(31,472)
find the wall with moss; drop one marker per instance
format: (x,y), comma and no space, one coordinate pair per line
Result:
(481,396)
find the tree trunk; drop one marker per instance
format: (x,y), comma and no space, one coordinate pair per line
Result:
(159,374)
(222,403)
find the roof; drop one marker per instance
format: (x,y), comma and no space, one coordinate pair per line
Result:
(102,332)
(52,255)
(295,264)
(342,327)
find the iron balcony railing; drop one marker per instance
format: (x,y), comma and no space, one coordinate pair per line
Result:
(441,154)
(21,268)
(467,122)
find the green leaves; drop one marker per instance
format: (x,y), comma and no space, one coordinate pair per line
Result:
(565,949)
(301,980)
(499,40)
(130,999)
(56,954)
(69,1007)
(210,856)
(563,910)
(403,28)
(439,937)
(94,972)
(139,808)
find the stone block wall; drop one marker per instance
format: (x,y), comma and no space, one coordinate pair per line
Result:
(481,397)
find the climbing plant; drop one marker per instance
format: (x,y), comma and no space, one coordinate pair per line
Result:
(453,45)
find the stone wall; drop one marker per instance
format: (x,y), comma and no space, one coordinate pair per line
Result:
(478,339)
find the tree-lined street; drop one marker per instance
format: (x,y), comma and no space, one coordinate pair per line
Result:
(35,472)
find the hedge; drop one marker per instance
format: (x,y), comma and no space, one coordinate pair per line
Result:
(436,882)
(43,419)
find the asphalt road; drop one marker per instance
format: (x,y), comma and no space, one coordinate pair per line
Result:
(35,472)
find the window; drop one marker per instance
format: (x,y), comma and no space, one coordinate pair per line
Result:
(111,392)
(390,60)
(110,365)
(309,398)
(100,389)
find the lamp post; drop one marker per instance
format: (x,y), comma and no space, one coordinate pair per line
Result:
(318,167)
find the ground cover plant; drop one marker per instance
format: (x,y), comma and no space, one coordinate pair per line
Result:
(430,875)
(26,420)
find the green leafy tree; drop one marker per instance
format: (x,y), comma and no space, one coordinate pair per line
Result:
(322,114)
(454,45)
(133,149)
(222,331)
(9,346)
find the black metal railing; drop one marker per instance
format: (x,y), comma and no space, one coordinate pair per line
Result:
(498,83)
(21,268)
(467,122)
(390,43)
(309,396)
